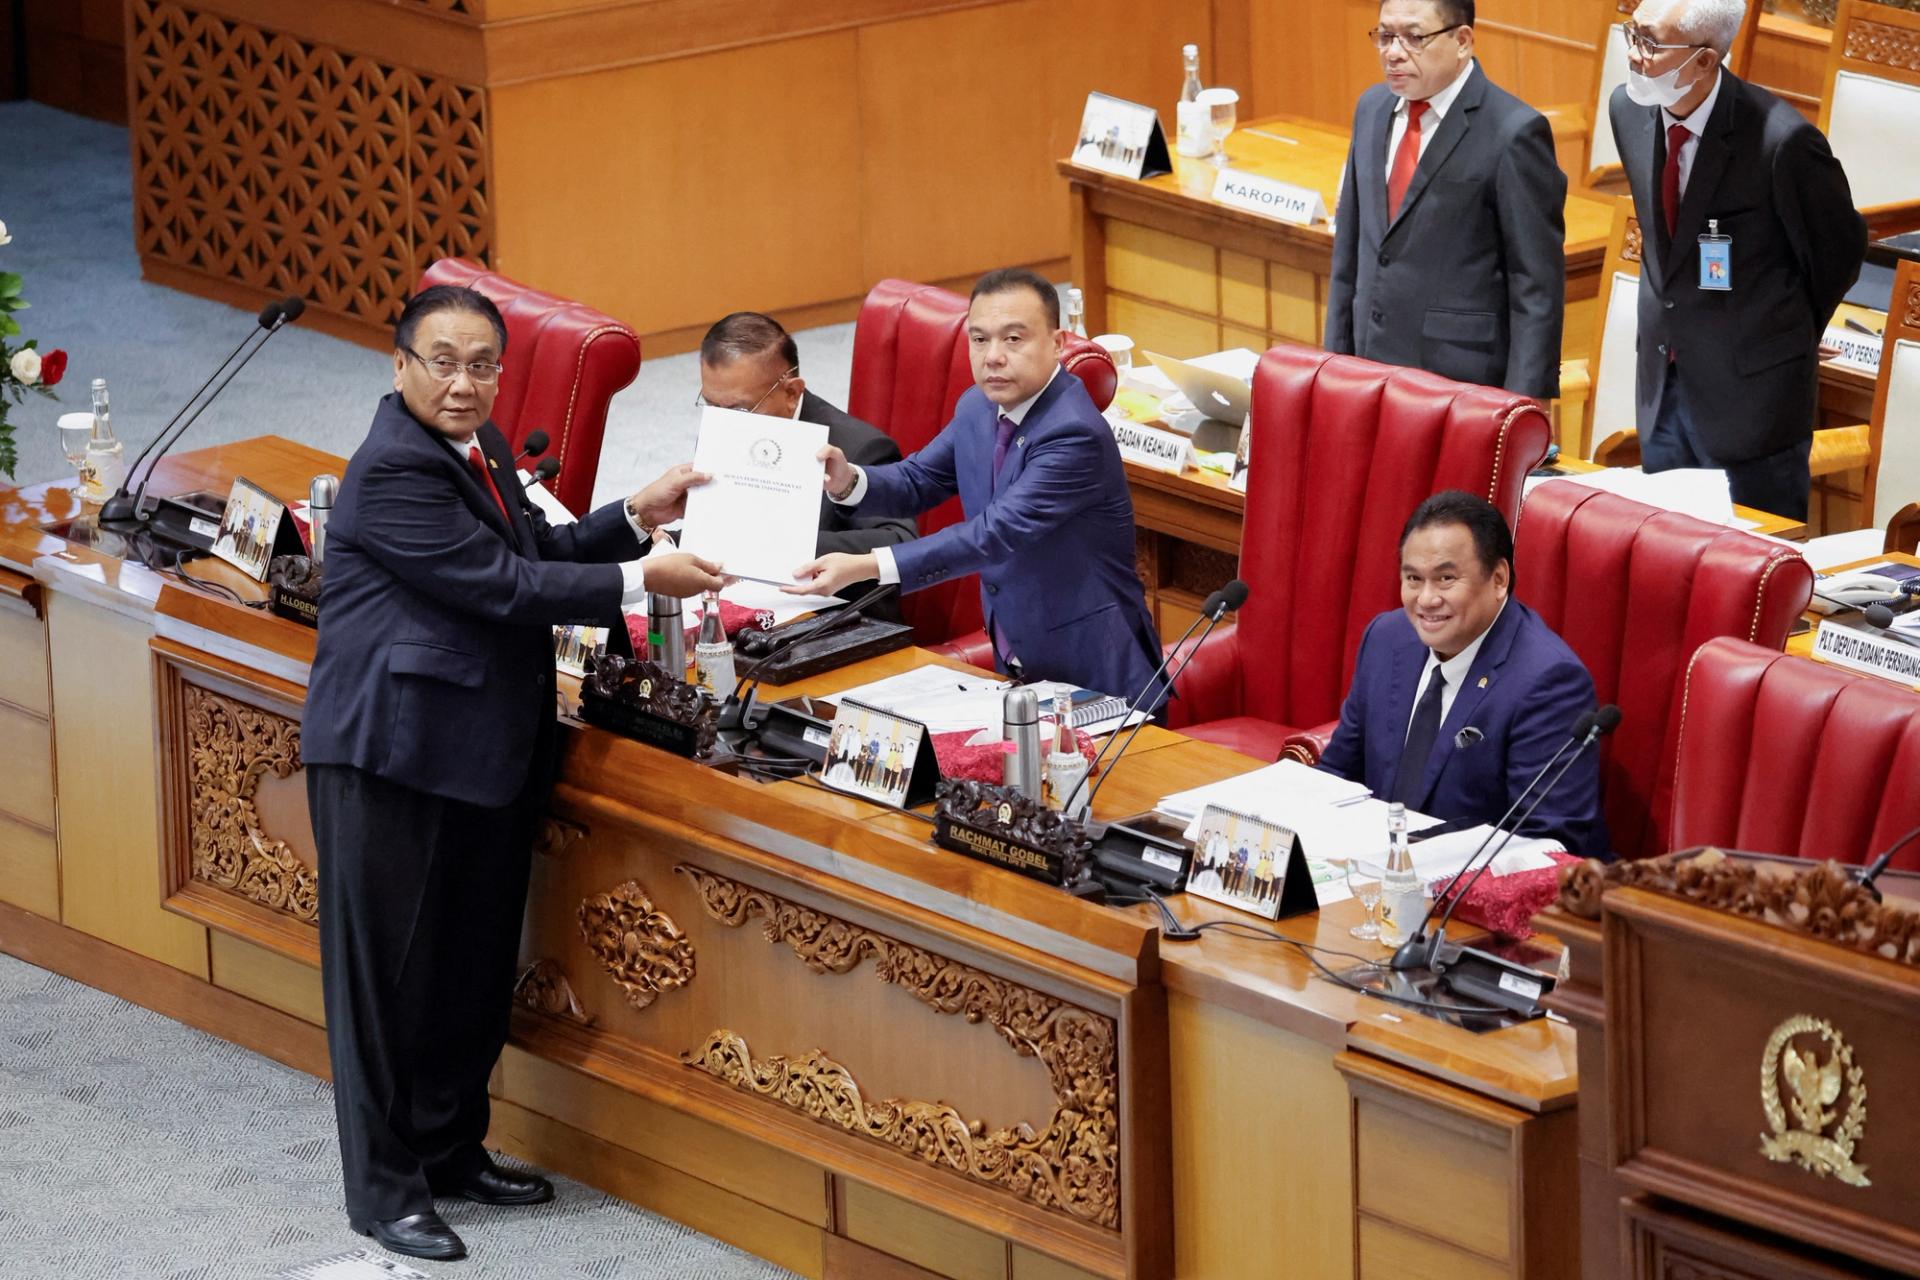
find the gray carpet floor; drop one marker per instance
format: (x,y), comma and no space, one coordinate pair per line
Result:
(66,196)
(134,1147)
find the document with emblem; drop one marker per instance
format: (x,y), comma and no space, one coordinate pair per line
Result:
(759,517)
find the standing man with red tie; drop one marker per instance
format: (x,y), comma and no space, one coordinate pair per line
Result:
(1449,245)
(1749,240)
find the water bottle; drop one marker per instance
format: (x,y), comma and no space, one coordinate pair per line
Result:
(320,495)
(713,652)
(1076,313)
(1066,766)
(1403,895)
(1190,86)
(1194,134)
(1020,725)
(666,642)
(104,467)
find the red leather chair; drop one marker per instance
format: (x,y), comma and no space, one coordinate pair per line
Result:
(1788,756)
(1343,450)
(1635,591)
(564,363)
(910,368)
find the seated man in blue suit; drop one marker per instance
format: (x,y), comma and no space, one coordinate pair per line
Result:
(429,743)
(1462,695)
(1049,520)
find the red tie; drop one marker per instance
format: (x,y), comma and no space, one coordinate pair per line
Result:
(1670,179)
(1405,160)
(479,463)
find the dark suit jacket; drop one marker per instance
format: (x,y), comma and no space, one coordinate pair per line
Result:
(434,667)
(865,446)
(1534,690)
(1053,548)
(1470,280)
(1748,358)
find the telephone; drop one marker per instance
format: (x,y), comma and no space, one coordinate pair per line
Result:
(1856,591)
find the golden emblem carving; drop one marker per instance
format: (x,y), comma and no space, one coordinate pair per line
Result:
(1816,1086)
(1005,814)
(641,948)
(1071,1165)
(544,988)
(231,747)
(1630,248)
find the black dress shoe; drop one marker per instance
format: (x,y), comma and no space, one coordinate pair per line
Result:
(422,1235)
(493,1185)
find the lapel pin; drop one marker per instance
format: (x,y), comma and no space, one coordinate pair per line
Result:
(1483,682)
(1021,442)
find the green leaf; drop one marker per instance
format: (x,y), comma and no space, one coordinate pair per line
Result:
(9,459)
(10,283)
(9,327)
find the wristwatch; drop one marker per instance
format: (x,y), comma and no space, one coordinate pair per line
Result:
(649,532)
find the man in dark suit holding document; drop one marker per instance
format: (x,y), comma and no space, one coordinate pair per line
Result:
(1049,519)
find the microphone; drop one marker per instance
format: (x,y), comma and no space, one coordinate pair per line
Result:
(547,470)
(736,715)
(1417,951)
(1879,864)
(1881,618)
(532,447)
(1227,599)
(272,318)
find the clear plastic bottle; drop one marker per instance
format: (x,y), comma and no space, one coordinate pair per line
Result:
(105,466)
(1403,896)
(1066,766)
(1190,86)
(1192,135)
(1076,317)
(713,652)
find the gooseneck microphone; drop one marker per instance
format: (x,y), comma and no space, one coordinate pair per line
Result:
(547,470)
(1418,950)
(737,714)
(532,447)
(1227,599)
(1881,617)
(1880,864)
(121,509)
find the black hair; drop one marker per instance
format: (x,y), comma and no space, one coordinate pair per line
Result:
(1492,540)
(447,297)
(747,333)
(1453,13)
(1007,279)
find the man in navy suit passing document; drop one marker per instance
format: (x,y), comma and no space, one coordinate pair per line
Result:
(1049,520)
(429,743)
(1463,694)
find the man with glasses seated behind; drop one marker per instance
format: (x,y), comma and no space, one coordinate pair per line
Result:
(1449,248)
(750,363)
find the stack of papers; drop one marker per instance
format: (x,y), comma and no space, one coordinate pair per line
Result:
(1699,492)
(945,700)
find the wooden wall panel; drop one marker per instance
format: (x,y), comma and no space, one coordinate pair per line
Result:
(693,188)
(29,868)
(76,56)
(12,82)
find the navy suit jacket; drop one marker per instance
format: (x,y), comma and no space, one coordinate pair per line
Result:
(1522,694)
(1053,547)
(434,667)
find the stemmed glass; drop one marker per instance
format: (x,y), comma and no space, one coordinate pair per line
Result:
(1223,109)
(75,430)
(1364,882)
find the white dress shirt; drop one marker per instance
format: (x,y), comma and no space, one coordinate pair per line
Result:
(633,573)
(1454,671)
(1437,107)
(1696,125)
(883,556)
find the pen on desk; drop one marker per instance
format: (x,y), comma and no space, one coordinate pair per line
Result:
(1277,137)
(1858,327)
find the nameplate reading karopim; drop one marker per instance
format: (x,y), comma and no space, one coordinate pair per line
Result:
(1857,350)
(1153,447)
(1250,863)
(1868,651)
(1122,138)
(885,758)
(1301,206)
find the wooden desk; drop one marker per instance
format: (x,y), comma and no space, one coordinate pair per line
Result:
(1163,263)
(1802,644)
(1764,522)
(776,1013)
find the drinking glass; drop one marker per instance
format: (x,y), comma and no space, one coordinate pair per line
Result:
(75,430)
(1364,881)
(1223,108)
(1120,347)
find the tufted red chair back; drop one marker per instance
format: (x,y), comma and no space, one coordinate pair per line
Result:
(564,363)
(910,368)
(1789,756)
(1343,450)
(1635,591)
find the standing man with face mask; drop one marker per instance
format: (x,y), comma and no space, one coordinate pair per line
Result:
(1749,240)
(1449,245)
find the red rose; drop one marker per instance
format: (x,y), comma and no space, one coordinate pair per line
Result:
(53,367)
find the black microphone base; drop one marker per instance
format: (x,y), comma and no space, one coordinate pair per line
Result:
(1416,952)
(119,510)
(1128,859)
(1481,976)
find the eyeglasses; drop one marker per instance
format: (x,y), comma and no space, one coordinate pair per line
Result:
(445,370)
(700,400)
(1643,44)
(1414,42)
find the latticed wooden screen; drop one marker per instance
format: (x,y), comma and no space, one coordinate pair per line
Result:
(266,160)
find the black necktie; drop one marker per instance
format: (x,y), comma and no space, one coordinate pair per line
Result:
(1420,735)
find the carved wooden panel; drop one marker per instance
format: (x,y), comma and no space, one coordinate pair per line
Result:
(1071,1165)
(1630,247)
(231,747)
(1912,317)
(640,947)
(286,166)
(543,987)
(1883,45)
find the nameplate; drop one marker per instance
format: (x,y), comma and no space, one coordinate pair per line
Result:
(1283,201)
(1857,350)
(999,825)
(1868,652)
(1250,864)
(1122,138)
(879,756)
(1153,447)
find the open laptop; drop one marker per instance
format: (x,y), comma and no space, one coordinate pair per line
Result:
(1221,400)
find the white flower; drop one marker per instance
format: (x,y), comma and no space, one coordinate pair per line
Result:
(26,366)
(4,237)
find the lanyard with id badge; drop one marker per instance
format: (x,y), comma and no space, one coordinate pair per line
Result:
(1716,258)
